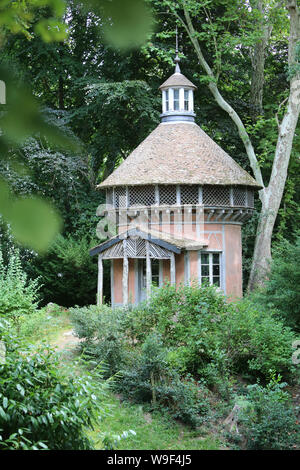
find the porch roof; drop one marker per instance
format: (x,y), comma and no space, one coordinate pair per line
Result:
(162,239)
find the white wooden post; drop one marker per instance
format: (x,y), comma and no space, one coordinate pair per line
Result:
(100,281)
(172,269)
(148,270)
(125,274)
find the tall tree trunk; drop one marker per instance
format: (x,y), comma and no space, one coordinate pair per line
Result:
(271,195)
(258,61)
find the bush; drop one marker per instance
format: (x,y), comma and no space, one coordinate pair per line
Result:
(211,338)
(148,378)
(40,408)
(103,331)
(18,296)
(269,421)
(282,290)
(256,343)
(62,271)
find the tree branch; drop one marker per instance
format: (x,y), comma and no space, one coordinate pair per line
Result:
(219,98)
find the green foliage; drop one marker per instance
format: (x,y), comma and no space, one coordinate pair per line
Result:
(42,323)
(269,421)
(103,331)
(208,337)
(39,407)
(148,378)
(63,270)
(282,289)
(18,295)
(168,350)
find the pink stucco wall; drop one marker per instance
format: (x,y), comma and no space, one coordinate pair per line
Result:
(233,254)
(225,239)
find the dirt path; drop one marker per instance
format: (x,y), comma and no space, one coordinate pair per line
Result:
(66,341)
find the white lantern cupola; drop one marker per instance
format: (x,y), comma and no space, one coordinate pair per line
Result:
(177,96)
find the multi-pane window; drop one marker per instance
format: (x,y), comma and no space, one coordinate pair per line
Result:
(210,268)
(176,99)
(167,99)
(186,100)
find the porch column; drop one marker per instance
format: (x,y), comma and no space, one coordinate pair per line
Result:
(100,281)
(125,274)
(172,269)
(148,270)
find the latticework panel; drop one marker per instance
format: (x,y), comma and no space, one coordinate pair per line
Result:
(250,198)
(216,195)
(239,196)
(120,197)
(136,248)
(167,195)
(158,252)
(141,195)
(189,194)
(115,251)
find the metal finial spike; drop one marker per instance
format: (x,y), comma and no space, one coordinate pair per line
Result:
(177,60)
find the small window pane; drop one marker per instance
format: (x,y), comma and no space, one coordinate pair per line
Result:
(216,270)
(216,258)
(205,270)
(204,258)
(167,100)
(176,100)
(216,281)
(186,100)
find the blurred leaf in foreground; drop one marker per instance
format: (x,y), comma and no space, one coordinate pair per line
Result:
(34,222)
(125,23)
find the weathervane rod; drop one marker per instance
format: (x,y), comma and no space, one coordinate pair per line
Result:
(177,60)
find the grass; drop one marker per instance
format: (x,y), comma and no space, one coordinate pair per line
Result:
(44,324)
(153,431)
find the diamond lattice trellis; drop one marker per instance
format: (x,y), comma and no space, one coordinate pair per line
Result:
(120,197)
(167,195)
(141,195)
(239,196)
(216,195)
(189,194)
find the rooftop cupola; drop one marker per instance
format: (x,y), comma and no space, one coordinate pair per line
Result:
(177,96)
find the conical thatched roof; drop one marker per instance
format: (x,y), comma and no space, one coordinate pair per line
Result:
(177,79)
(178,153)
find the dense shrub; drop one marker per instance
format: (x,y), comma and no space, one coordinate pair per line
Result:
(62,271)
(18,295)
(282,290)
(268,422)
(40,408)
(102,328)
(257,343)
(210,338)
(164,348)
(148,378)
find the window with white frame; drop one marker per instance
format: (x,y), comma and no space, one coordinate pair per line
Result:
(176,99)
(210,268)
(186,100)
(167,100)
